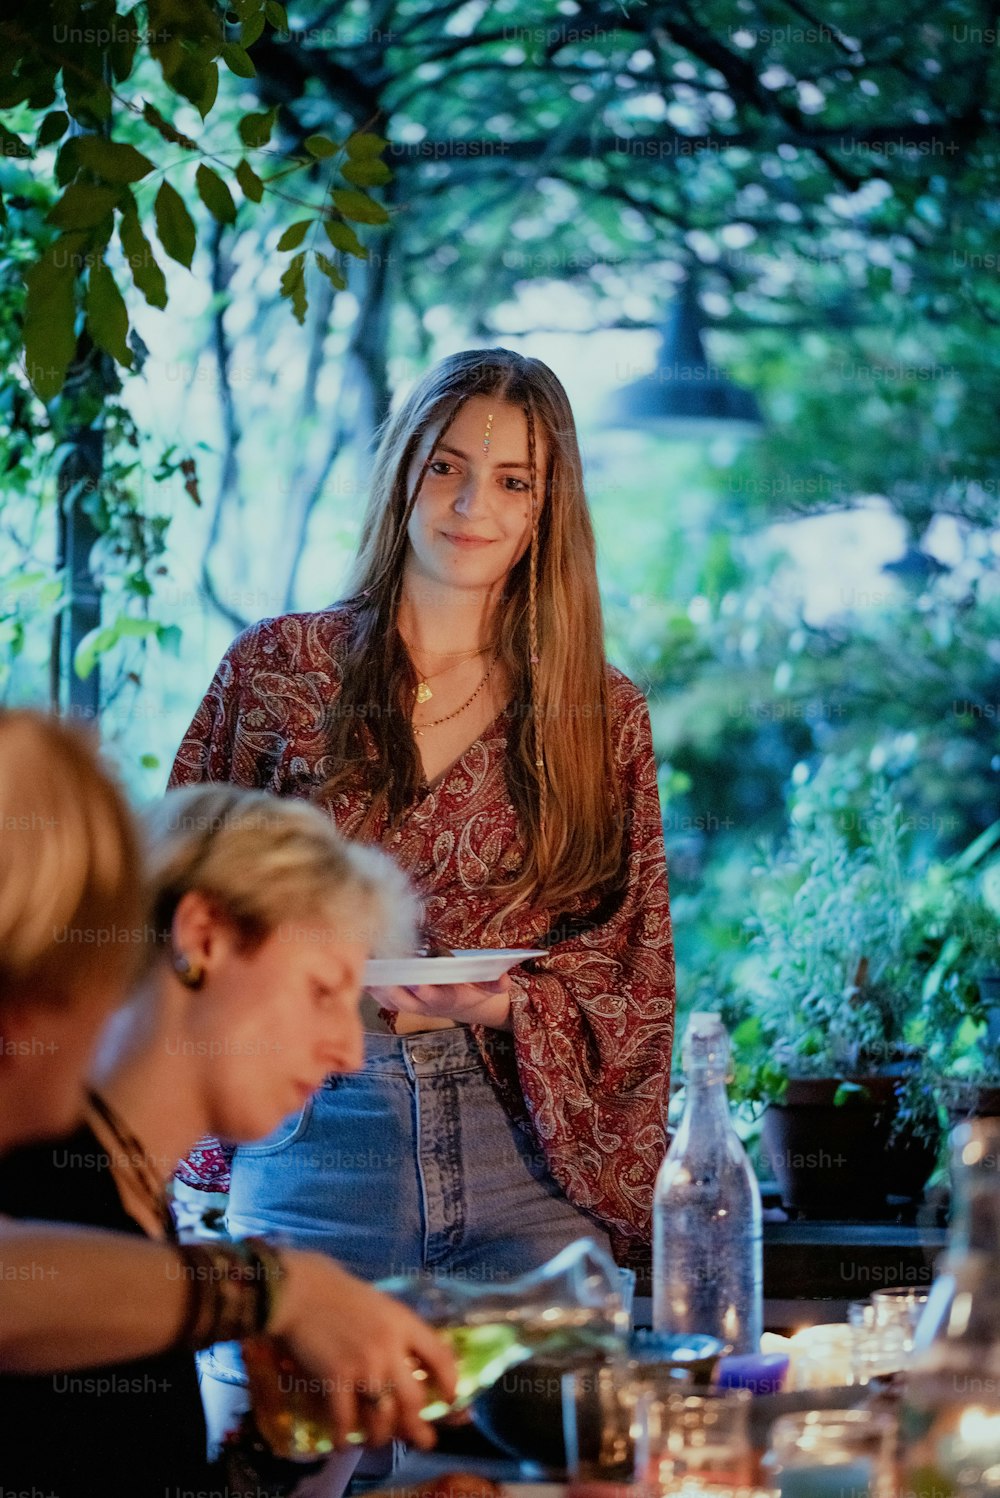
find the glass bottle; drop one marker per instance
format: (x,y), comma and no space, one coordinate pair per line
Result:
(707,1266)
(572,1303)
(950,1416)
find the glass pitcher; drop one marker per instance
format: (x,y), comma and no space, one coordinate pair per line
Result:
(572,1303)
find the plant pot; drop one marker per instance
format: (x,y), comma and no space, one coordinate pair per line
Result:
(835,1160)
(963,1099)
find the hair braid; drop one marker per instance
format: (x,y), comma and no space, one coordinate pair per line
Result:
(533,657)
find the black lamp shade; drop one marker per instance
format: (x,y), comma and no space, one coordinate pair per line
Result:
(685,395)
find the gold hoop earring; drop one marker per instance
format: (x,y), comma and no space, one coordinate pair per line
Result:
(190,975)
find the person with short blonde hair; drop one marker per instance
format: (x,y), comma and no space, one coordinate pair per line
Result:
(269,861)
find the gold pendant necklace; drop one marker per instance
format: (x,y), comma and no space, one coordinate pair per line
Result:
(436,722)
(423,692)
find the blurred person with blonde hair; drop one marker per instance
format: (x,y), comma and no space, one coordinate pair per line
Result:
(258,924)
(71,918)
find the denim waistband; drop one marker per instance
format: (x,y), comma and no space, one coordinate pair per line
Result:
(427,1053)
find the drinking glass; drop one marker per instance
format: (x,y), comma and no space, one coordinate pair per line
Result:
(900,1309)
(603,1425)
(832,1454)
(700,1440)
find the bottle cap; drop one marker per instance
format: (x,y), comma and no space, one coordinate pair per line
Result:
(706,1045)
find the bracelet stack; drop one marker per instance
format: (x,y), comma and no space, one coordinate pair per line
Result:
(234,1289)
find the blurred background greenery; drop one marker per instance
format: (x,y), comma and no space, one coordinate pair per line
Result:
(811,601)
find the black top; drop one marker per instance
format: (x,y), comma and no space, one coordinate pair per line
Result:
(121,1430)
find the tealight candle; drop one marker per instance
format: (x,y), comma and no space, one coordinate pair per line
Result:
(826,1480)
(832,1454)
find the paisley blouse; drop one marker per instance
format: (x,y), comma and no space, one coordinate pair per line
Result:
(592,1020)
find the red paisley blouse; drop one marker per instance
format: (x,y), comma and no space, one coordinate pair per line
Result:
(593,1019)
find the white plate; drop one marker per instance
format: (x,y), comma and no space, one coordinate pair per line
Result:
(481,965)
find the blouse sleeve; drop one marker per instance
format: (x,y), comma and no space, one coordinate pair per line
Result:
(218,746)
(213,749)
(593,1023)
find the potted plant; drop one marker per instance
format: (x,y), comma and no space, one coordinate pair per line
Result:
(957,909)
(834,990)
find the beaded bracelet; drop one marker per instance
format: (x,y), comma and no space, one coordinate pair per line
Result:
(234,1290)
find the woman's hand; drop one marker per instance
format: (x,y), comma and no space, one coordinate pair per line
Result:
(467,1003)
(364,1346)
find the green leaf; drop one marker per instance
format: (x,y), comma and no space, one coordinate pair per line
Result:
(95,643)
(49,592)
(13,145)
(295,234)
(122,50)
(135,629)
(293,286)
(359,206)
(112,160)
(209,93)
(976,850)
(238,61)
(276,14)
(168,637)
(174,225)
(146,273)
(343,237)
(251,29)
(332,272)
(197,80)
(366,173)
(66,161)
(255,129)
(16,583)
(50,316)
(320,146)
(850,1092)
(215,195)
(107,318)
(88,97)
(250,184)
(83,206)
(52,128)
(3,210)
(363,146)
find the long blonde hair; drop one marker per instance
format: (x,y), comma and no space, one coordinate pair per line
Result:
(264,861)
(70,874)
(549,636)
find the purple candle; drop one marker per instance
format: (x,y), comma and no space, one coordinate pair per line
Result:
(760,1372)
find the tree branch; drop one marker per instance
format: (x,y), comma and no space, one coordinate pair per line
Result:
(229,474)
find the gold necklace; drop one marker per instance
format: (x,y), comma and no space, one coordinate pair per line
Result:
(424,693)
(436,722)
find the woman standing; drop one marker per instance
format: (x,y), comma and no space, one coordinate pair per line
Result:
(457,710)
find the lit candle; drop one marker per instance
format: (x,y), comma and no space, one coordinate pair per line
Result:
(827,1480)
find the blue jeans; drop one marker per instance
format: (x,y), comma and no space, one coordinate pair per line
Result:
(410,1164)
